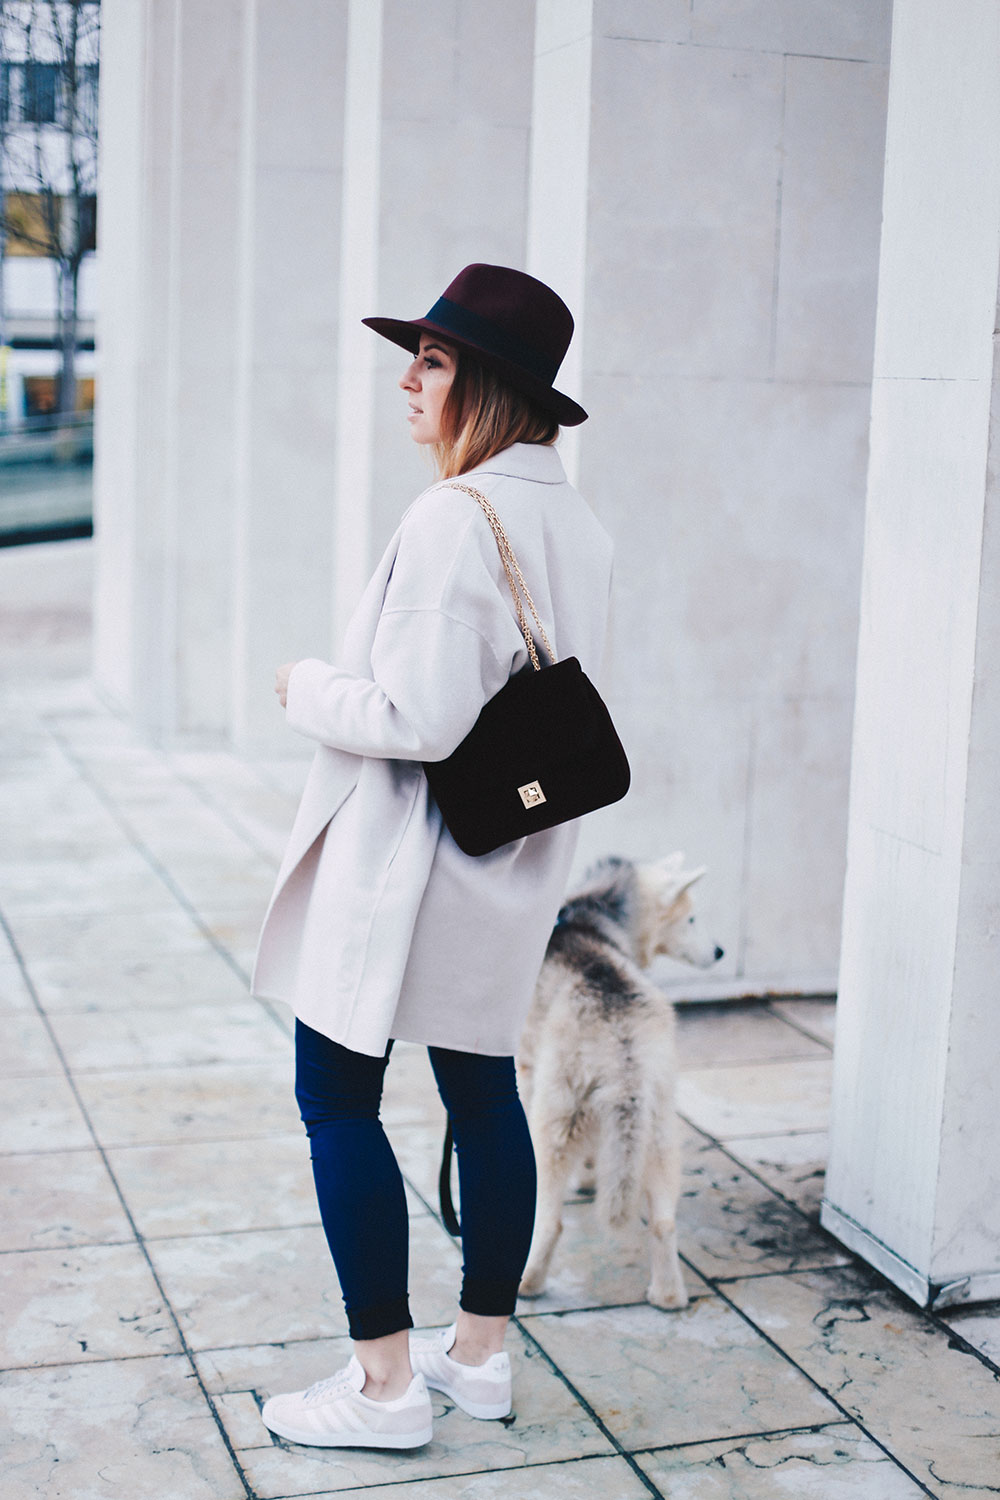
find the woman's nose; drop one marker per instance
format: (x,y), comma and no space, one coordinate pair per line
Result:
(408,379)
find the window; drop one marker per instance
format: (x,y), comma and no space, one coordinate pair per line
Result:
(35,223)
(33,93)
(39,90)
(41,394)
(29,228)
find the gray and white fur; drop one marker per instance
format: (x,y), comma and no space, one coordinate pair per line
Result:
(597,1065)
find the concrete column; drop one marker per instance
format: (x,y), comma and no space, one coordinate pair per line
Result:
(438,125)
(706,185)
(914,1180)
(170,200)
(220,204)
(286,335)
(359,282)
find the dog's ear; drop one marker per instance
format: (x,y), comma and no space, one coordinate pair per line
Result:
(670,879)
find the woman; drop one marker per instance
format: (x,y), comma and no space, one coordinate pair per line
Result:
(380,928)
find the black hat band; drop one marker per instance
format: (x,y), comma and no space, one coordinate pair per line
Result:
(491,338)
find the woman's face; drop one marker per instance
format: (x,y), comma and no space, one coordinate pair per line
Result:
(427,383)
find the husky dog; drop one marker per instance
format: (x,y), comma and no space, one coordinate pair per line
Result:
(597,1065)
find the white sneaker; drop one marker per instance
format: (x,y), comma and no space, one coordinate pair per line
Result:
(334,1414)
(481,1390)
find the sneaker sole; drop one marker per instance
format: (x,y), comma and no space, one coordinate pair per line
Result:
(486,1413)
(353,1439)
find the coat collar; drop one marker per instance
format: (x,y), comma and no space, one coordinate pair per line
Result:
(533,461)
(536,461)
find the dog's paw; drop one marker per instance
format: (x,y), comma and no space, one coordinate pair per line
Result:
(671,1299)
(532,1284)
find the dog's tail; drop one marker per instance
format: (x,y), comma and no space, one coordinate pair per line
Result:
(620,1145)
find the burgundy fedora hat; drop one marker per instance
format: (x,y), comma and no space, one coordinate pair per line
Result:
(513,323)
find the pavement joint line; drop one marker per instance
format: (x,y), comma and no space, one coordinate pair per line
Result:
(644,1479)
(100,1359)
(65,1249)
(797,1026)
(789,1359)
(221,1234)
(127,1069)
(954,1337)
(225,816)
(512,1471)
(46,1151)
(769,1135)
(600,1307)
(757,1062)
(185,1348)
(218,1140)
(743,1437)
(784,1271)
(261,768)
(199,1140)
(777,1193)
(169,1238)
(216,805)
(161,871)
(120,1070)
(756,1135)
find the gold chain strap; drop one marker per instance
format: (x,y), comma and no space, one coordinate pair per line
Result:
(512,569)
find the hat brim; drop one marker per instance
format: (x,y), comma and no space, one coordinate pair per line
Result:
(566,411)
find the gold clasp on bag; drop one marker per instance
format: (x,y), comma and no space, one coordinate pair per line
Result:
(531,794)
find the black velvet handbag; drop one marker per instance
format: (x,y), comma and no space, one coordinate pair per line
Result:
(543,750)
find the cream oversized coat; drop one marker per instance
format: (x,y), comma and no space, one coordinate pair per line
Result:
(379,926)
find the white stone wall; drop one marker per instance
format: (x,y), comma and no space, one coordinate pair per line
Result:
(912,1183)
(731,215)
(701,180)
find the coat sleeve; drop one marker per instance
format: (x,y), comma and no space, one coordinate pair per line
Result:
(434,662)
(433,675)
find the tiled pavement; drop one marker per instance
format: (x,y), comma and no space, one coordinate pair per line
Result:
(162,1265)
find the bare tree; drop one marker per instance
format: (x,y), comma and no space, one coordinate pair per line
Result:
(49,141)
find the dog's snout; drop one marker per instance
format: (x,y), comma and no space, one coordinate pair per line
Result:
(719,952)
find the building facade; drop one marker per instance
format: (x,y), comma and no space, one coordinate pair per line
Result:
(48,178)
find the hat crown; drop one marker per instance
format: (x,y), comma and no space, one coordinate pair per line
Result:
(518,305)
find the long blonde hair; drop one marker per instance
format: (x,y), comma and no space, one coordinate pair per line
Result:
(482,415)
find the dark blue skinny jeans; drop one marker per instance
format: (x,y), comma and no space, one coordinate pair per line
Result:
(360,1188)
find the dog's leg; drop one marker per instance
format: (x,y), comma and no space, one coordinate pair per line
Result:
(663,1184)
(555,1157)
